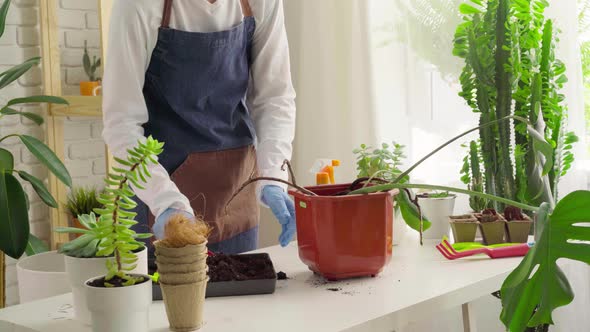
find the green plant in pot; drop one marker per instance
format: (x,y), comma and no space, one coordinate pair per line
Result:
(511,69)
(385,162)
(81,201)
(537,286)
(15,237)
(108,241)
(91,65)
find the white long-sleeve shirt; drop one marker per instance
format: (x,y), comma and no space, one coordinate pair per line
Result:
(271,97)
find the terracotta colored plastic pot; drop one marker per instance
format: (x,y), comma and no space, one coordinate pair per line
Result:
(344,236)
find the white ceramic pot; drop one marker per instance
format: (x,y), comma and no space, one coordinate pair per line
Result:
(437,211)
(120,309)
(41,276)
(79,270)
(399,228)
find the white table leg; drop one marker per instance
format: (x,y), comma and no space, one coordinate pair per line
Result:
(468,318)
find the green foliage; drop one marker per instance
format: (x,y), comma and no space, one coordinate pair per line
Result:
(14,203)
(538,283)
(90,66)
(111,235)
(82,201)
(510,69)
(537,286)
(473,178)
(385,163)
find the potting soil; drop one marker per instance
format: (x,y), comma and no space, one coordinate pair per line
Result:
(239,268)
(282,276)
(116,282)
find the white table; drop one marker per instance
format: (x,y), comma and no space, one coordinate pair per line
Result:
(417,282)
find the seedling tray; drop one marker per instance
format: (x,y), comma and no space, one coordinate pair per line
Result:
(242,287)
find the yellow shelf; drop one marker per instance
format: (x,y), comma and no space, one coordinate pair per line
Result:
(79,106)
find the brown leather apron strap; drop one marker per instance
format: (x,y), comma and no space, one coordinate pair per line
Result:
(167,13)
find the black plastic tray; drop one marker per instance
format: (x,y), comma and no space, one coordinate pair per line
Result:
(232,288)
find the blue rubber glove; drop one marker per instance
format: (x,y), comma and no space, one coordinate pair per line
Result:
(284,210)
(162,221)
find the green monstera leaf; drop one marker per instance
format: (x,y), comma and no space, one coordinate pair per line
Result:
(538,283)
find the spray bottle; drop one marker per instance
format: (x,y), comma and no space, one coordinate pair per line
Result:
(324,171)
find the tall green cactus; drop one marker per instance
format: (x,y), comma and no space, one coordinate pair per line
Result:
(511,69)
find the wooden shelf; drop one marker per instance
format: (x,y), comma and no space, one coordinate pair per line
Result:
(79,106)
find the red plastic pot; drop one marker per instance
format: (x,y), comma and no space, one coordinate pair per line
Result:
(344,236)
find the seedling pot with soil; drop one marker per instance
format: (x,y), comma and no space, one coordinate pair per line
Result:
(492,226)
(437,210)
(344,236)
(235,275)
(518,225)
(119,309)
(79,270)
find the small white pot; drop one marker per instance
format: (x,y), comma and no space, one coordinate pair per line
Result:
(437,211)
(120,309)
(41,276)
(79,270)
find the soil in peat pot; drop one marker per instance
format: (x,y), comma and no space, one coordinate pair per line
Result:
(239,267)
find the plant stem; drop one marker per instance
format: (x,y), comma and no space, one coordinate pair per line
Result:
(505,180)
(442,146)
(116,210)
(5,137)
(390,186)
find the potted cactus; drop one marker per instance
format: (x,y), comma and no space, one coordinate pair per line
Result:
(81,201)
(90,87)
(109,241)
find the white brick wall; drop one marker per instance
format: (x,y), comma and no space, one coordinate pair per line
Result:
(78,20)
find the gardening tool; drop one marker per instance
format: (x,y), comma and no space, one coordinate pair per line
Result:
(518,250)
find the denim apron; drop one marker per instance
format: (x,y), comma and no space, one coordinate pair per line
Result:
(195,91)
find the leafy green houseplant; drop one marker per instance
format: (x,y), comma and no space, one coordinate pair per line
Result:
(511,69)
(385,163)
(15,237)
(108,241)
(81,201)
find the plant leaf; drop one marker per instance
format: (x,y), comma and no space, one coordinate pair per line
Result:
(410,212)
(14,217)
(538,282)
(6,160)
(16,72)
(40,188)
(31,116)
(35,246)
(38,99)
(3,14)
(48,158)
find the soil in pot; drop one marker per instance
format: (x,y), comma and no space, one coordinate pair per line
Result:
(240,267)
(115,282)
(518,225)
(463,227)
(492,226)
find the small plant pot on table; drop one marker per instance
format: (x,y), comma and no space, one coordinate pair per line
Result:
(119,309)
(464,227)
(492,226)
(518,225)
